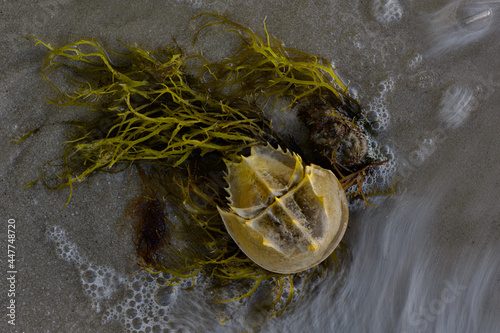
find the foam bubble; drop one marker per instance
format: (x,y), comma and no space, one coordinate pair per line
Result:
(65,249)
(415,62)
(386,86)
(144,304)
(379,178)
(99,283)
(387,11)
(426,148)
(376,111)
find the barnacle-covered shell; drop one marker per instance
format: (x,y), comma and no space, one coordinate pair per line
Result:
(333,134)
(284,216)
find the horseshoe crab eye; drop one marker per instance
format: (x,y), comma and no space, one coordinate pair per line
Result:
(284,216)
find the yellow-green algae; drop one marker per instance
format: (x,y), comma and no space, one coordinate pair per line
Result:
(181,118)
(263,68)
(146,109)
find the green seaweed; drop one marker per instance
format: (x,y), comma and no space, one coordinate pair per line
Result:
(145,110)
(25,136)
(263,68)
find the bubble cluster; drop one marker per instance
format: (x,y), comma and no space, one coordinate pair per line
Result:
(426,147)
(65,249)
(381,176)
(387,11)
(99,283)
(386,86)
(415,62)
(376,111)
(139,301)
(145,304)
(378,179)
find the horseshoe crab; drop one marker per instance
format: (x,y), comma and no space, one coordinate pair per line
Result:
(283,216)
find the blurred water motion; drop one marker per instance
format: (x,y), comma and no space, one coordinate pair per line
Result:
(462,22)
(456,104)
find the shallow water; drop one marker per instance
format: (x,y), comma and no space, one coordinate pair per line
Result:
(424,260)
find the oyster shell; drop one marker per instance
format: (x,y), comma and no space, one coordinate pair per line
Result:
(284,216)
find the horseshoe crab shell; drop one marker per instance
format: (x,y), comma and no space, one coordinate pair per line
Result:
(284,216)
